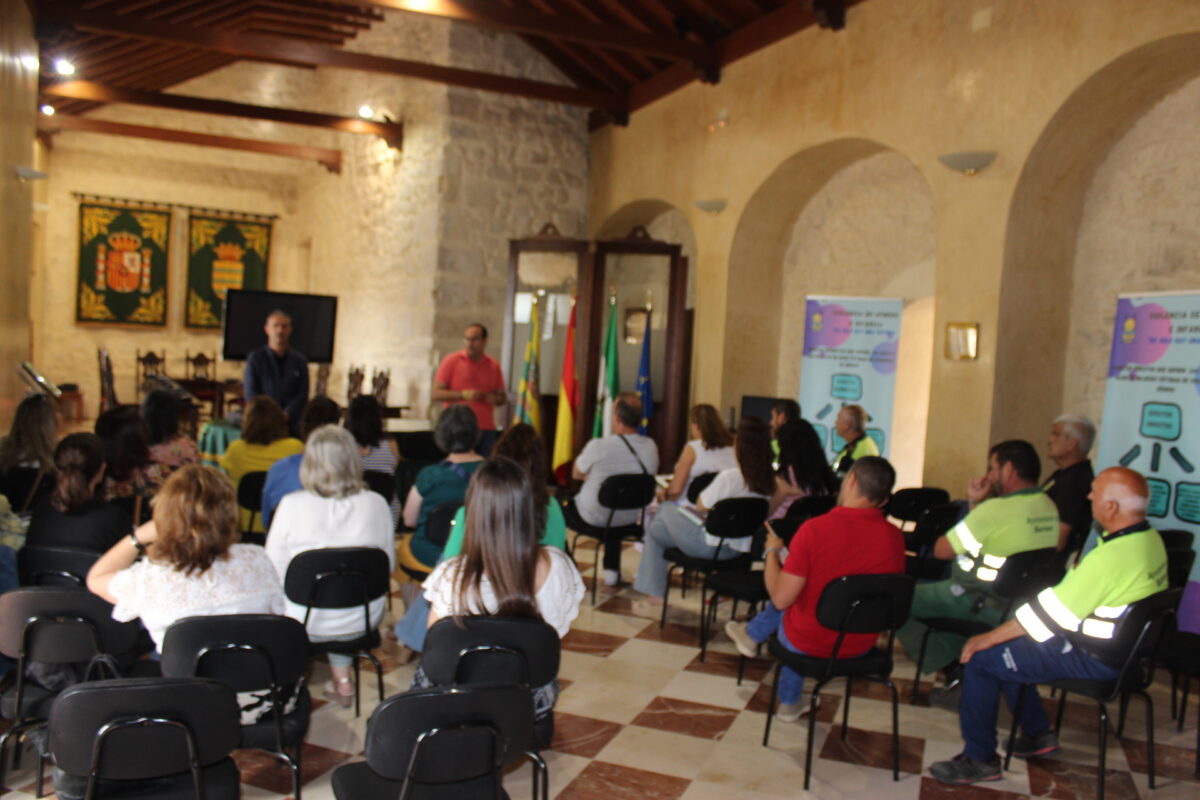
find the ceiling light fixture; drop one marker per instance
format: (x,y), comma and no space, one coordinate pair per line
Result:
(48,110)
(365,111)
(64,67)
(969,162)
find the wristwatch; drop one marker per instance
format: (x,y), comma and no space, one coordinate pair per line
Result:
(133,539)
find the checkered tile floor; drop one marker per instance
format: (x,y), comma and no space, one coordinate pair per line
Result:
(640,716)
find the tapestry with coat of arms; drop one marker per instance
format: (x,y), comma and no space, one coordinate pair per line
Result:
(123,249)
(223,253)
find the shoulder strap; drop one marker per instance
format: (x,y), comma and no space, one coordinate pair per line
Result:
(621,436)
(457,469)
(41,473)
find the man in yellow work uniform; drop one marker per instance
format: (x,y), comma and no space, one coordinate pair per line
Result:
(1009,514)
(1072,630)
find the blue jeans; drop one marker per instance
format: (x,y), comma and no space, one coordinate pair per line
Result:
(766,622)
(671,529)
(1004,668)
(413,626)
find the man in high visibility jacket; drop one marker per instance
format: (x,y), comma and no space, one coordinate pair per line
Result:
(1072,630)
(1009,514)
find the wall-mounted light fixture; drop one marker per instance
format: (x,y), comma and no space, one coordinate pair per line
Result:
(26,174)
(713,206)
(720,121)
(968,162)
(962,341)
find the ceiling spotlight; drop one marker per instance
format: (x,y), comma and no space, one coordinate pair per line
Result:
(64,67)
(48,110)
(30,61)
(365,111)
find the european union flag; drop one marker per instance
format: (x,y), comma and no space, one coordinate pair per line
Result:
(643,380)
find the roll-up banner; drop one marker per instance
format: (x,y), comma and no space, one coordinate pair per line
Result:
(850,357)
(1151,417)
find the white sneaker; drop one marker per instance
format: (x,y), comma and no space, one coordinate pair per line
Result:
(793,712)
(738,633)
(611,577)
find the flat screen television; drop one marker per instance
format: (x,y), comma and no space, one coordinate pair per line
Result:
(757,406)
(314,319)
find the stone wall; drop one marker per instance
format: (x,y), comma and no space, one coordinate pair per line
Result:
(1140,232)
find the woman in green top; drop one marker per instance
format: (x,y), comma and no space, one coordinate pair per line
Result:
(523,445)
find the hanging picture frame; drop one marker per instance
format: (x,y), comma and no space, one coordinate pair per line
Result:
(123,255)
(225,251)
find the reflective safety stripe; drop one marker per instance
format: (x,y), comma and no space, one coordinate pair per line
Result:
(1098,628)
(986,574)
(1032,624)
(1062,616)
(965,563)
(995,562)
(1110,612)
(968,540)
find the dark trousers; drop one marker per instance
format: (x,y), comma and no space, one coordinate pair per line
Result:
(612,543)
(1003,669)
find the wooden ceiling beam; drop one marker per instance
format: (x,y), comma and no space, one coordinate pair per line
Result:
(533,23)
(330,159)
(392,132)
(267,48)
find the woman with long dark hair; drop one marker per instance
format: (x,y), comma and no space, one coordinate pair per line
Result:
(709,450)
(27,453)
(364,420)
(802,465)
(754,476)
(74,515)
(130,470)
(503,571)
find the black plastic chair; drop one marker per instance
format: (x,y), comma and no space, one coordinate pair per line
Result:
(737,585)
(437,530)
(909,505)
(382,483)
(850,604)
(699,484)
(148,738)
(249,497)
(1179,652)
(55,566)
(250,653)
(342,577)
(495,650)
(1177,538)
(934,523)
(448,742)
(617,493)
(1142,629)
(53,626)
(23,488)
(1022,576)
(805,508)
(733,519)
(1179,566)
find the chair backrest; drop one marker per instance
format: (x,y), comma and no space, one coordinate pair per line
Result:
(24,489)
(246,652)
(139,728)
(250,490)
(354,382)
(1179,566)
(108,391)
(437,524)
(865,603)
(337,577)
(934,523)
(379,385)
(490,650)
(699,484)
(61,626)
(1136,638)
(55,566)
(450,734)
(626,492)
(1177,538)
(200,366)
(1025,574)
(737,517)
(909,504)
(805,508)
(382,483)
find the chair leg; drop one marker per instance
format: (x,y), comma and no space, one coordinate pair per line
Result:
(812,733)
(357,688)
(596,576)
(1124,707)
(1187,685)
(920,663)
(1174,686)
(1149,737)
(662,622)
(1103,750)
(1062,707)
(771,703)
(846,707)
(1012,734)
(703,611)
(895,731)
(741,668)
(41,776)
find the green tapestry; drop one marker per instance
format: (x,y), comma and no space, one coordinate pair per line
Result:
(123,264)
(223,254)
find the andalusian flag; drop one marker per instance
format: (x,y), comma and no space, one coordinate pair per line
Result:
(643,379)
(568,403)
(529,401)
(609,385)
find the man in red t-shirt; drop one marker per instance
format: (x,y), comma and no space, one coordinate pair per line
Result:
(472,377)
(854,538)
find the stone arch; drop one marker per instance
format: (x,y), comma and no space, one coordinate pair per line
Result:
(1044,222)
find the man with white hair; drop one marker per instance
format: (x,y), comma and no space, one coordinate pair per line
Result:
(1072,630)
(1070,440)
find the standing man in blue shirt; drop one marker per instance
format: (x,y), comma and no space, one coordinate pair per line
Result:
(278,371)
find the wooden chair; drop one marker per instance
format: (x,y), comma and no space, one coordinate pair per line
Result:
(379,385)
(354,382)
(322,385)
(150,365)
(108,390)
(201,371)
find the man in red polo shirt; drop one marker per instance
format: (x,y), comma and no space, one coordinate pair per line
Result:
(473,377)
(854,538)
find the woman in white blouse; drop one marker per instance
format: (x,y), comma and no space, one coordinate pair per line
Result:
(501,558)
(710,450)
(336,509)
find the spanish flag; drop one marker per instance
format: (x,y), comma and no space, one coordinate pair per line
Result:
(568,404)
(529,402)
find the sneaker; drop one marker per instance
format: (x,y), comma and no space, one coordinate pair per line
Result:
(945,699)
(1029,746)
(740,635)
(954,676)
(611,577)
(962,770)
(792,712)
